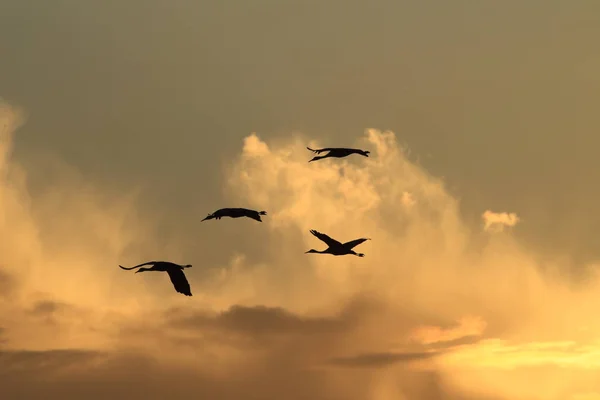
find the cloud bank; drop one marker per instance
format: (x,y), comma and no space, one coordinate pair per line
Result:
(431,311)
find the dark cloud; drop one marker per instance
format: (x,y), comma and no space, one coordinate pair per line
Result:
(261,320)
(266,322)
(418,353)
(136,376)
(285,355)
(286,339)
(48,307)
(51,312)
(465,340)
(282,354)
(29,362)
(377,360)
(133,376)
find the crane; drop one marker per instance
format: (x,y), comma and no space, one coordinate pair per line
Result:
(337,248)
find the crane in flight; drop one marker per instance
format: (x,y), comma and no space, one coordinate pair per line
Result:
(337,152)
(175,272)
(236,213)
(337,248)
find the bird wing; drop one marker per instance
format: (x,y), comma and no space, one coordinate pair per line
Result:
(319,151)
(353,243)
(329,241)
(254,215)
(235,212)
(179,281)
(140,265)
(221,212)
(241,212)
(347,151)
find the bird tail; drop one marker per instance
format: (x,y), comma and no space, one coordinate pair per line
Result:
(262,213)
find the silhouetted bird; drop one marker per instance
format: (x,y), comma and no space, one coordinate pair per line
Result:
(336,248)
(175,272)
(337,152)
(236,213)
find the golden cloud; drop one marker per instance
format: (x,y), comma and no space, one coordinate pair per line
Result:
(496,222)
(430,312)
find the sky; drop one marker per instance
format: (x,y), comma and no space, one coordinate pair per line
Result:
(122,126)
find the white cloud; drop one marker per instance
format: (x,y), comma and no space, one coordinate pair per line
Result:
(495,222)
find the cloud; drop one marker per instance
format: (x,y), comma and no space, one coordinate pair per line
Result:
(425,314)
(407,199)
(467,327)
(495,222)
(5,283)
(42,362)
(261,320)
(380,359)
(47,307)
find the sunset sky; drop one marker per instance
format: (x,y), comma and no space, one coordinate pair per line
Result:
(123,124)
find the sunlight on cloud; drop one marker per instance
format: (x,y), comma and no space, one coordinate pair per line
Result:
(425,314)
(499,353)
(63,247)
(419,256)
(467,326)
(495,222)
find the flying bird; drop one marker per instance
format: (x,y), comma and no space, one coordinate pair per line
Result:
(337,152)
(175,272)
(236,213)
(336,248)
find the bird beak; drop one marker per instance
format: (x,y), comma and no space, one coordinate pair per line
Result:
(205,218)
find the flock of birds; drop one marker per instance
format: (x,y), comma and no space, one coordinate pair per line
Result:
(335,247)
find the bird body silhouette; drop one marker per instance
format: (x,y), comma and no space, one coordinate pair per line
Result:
(337,152)
(175,272)
(337,248)
(236,213)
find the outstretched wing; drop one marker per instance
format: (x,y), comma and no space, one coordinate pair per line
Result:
(329,241)
(247,211)
(353,243)
(254,215)
(179,281)
(319,151)
(140,265)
